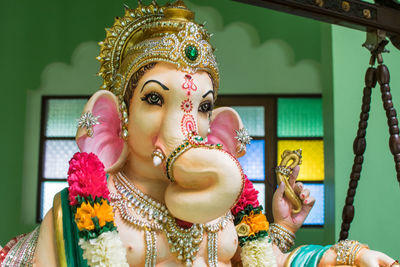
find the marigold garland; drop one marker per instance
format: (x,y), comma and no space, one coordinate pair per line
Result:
(94,216)
(256,221)
(252,229)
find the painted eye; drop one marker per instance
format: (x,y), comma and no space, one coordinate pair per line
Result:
(153,99)
(205,107)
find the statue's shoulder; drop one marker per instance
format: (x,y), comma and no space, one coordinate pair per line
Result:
(59,227)
(50,248)
(65,232)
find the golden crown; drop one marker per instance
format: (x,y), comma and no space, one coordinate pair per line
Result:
(154,33)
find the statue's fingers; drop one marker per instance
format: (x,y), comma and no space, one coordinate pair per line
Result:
(308,203)
(280,191)
(293,176)
(304,194)
(385,260)
(298,188)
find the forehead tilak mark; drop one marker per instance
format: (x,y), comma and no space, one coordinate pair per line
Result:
(189,84)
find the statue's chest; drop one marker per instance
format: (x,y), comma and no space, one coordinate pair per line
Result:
(155,247)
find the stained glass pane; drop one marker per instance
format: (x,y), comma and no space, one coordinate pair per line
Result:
(260,187)
(56,157)
(62,116)
(316,216)
(300,117)
(252,118)
(253,162)
(49,189)
(312,168)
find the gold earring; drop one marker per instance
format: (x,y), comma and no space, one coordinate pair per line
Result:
(124,120)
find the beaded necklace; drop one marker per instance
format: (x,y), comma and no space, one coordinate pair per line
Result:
(184,243)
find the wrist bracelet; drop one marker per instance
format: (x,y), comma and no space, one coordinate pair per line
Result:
(347,251)
(281,237)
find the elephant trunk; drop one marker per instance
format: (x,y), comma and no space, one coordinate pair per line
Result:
(208,182)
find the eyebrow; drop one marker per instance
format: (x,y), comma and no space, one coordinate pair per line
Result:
(157,82)
(211,91)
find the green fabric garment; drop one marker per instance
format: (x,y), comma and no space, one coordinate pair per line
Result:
(309,256)
(73,251)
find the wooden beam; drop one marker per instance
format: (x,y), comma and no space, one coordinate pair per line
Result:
(355,14)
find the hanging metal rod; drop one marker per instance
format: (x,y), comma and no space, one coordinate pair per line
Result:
(354,14)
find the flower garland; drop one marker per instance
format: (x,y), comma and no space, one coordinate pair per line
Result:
(94,217)
(252,229)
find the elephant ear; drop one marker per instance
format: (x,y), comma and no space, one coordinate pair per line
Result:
(106,141)
(225,122)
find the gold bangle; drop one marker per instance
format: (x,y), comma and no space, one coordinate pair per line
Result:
(347,251)
(281,237)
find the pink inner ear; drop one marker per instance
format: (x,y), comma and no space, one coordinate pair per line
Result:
(223,131)
(106,142)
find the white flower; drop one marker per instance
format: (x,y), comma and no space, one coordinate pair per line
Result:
(105,250)
(258,253)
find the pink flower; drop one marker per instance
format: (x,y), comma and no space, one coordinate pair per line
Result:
(249,196)
(86,176)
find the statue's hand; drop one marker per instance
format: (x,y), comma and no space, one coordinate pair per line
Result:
(372,258)
(282,208)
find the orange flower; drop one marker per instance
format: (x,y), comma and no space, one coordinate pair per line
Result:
(257,222)
(104,212)
(86,212)
(83,217)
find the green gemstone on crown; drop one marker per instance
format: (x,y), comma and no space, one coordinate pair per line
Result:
(191,52)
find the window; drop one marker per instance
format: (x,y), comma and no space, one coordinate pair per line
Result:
(58,128)
(277,123)
(299,125)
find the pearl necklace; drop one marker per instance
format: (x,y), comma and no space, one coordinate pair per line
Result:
(184,243)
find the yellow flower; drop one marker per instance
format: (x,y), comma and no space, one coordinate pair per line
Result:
(86,212)
(242,229)
(104,212)
(83,217)
(256,222)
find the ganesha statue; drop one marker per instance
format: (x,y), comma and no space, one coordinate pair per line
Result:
(157,181)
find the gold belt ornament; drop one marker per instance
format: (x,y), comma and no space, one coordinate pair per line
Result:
(283,172)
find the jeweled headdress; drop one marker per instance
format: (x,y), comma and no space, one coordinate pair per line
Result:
(150,34)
